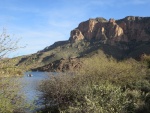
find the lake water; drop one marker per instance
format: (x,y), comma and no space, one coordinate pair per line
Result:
(30,84)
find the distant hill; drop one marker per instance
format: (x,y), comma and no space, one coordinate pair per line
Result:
(125,38)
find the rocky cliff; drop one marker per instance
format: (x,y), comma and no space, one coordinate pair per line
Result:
(113,31)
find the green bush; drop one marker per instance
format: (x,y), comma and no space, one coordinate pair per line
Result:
(10,101)
(146,59)
(102,98)
(103,85)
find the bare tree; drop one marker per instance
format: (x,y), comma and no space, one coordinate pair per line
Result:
(10,99)
(7,44)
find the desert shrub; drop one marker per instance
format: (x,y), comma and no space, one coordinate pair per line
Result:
(102,98)
(146,59)
(10,71)
(58,90)
(10,101)
(103,85)
(70,96)
(122,73)
(142,85)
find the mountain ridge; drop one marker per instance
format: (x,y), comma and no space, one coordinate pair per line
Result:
(124,38)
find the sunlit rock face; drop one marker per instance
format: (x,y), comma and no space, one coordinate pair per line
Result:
(76,35)
(128,29)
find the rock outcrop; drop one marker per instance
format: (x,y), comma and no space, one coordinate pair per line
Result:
(61,65)
(76,35)
(113,31)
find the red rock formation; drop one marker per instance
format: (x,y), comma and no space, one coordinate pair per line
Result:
(76,35)
(88,28)
(113,31)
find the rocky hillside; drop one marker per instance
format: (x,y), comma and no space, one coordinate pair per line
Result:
(124,38)
(61,65)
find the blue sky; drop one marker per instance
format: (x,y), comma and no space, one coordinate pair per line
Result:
(40,23)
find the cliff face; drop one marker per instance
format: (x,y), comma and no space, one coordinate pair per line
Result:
(113,31)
